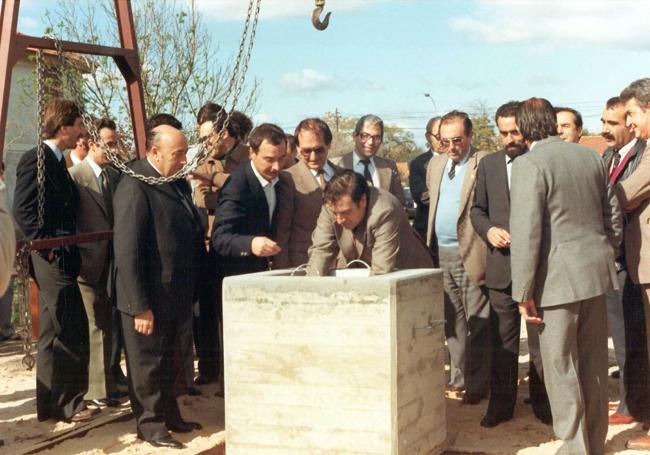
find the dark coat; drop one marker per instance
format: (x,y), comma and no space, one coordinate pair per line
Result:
(241,214)
(418,187)
(491,208)
(158,244)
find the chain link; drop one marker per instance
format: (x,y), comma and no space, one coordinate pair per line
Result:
(22,295)
(235,85)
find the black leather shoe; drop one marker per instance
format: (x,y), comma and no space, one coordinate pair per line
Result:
(119,394)
(194,392)
(472,398)
(203,380)
(184,426)
(489,421)
(166,441)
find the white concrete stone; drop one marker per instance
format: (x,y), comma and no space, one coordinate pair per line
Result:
(330,365)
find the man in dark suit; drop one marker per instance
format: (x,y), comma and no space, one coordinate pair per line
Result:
(158,242)
(242,231)
(300,193)
(490,217)
(621,158)
(418,177)
(62,360)
(566,228)
(95,181)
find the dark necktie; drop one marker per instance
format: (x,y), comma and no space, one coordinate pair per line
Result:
(107,194)
(452,171)
(321,178)
(616,160)
(366,171)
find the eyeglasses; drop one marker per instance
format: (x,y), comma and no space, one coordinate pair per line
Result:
(436,136)
(365,136)
(318,151)
(453,140)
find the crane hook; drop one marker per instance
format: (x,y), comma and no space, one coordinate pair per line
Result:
(315,16)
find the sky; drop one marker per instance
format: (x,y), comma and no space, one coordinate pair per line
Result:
(382,56)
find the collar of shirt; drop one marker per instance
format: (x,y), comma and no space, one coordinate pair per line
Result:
(55,149)
(154,166)
(532,144)
(356,161)
(327,170)
(261,179)
(627,148)
(97,170)
(460,164)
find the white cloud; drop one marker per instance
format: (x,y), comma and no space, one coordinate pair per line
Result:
(236,9)
(308,80)
(558,23)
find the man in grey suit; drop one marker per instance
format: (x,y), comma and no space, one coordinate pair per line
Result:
(380,172)
(566,227)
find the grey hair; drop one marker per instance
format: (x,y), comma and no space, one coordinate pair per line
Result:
(432,121)
(639,90)
(369,119)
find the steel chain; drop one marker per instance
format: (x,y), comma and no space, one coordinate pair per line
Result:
(235,86)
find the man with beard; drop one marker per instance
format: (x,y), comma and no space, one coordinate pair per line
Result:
(621,158)
(565,228)
(418,176)
(635,200)
(490,217)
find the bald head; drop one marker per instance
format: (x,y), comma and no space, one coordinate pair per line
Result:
(168,150)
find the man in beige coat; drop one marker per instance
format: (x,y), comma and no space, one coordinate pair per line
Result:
(7,237)
(95,181)
(380,172)
(634,196)
(300,193)
(366,223)
(461,254)
(565,227)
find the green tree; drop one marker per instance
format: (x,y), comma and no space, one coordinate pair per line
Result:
(485,137)
(179,67)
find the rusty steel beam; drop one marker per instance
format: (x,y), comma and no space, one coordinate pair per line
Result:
(130,68)
(13,47)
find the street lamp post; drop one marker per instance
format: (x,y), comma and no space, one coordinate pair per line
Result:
(435,108)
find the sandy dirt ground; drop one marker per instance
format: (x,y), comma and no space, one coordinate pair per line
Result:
(113,432)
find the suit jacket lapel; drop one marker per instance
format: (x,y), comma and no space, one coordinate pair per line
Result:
(309,183)
(501,175)
(258,192)
(90,184)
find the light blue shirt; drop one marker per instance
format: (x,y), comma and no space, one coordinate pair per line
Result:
(448,204)
(55,149)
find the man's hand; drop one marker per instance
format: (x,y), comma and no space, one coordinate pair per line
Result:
(529,311)
(143,323)
(498,237)
(264,247)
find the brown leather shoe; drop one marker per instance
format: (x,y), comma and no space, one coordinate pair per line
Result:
(640,443)
(620,419)
(84,414)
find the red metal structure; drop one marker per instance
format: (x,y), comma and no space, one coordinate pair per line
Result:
(13,46)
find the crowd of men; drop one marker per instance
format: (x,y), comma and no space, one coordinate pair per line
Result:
(544,230)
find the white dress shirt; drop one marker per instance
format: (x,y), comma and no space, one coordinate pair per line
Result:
(624,152)
(269,190)
(55,149)
(328,172)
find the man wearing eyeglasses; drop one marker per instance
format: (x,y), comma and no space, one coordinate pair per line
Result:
(461,254)
(418,176)
(300,193)
(379,172)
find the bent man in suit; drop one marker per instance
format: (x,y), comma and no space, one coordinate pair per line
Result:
(95,182)
(62,359)
(418,176)
(366,223)
(380,172)
(460,252)
(158,241)
(634,196)
(621,158)
(490,217)
(300,193)
(565,226)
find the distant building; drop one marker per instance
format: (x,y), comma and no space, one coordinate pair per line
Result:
(594,142)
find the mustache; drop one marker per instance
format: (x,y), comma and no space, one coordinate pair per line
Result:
(607,136)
